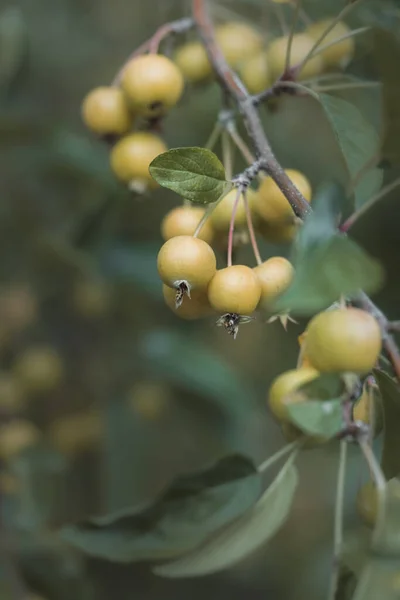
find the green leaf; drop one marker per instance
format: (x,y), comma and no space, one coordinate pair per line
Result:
(386,542)
(190,510)
(335,267)
(197,174)
(369,185)
(387,58)
(242,537)
(327,386)
(379,581)
(317,418)
(390,394)
(357,139)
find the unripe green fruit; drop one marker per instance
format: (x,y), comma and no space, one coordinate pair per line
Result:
(343,340)
(301,45)
(105,111)
(131,156)
(234,290)
(186,259)
(153,84)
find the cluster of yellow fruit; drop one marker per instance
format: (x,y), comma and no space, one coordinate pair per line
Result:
(341,340)
(259,64)
(151,84)
(193,287)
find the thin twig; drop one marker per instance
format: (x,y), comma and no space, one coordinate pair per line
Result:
(367,205)
(338,520)
(214,137)
(278,455)
(293,25)
(227,155)
(240,144)
(232,226)
(250,227)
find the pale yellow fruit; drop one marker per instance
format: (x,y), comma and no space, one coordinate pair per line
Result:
(153,84)
(39,369)
(192,60)
(271,204)
(339,54)
(367,503)
(183,220)
(221,215)
(301,45)
(105,111)
(185,258)
(195,307)
(17,436)
(131,157)
(283,390)
(343,340)
(275,275)
(255,73)
(238,42)
(234,290)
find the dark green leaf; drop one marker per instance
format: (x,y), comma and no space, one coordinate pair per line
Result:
(338,266)
(190,510)
(317,418)
(390,394)
(357,139)
(386,540)
(197,174)
(369,185)
(242,537)
(387,58)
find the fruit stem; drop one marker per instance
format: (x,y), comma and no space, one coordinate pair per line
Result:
(232,226)
(250,227)
(380,484)
(204,218)
(280,454)
(281,18)
(227,155)
(291,35)
(367,205)
(339,17)
(338,520)
(240,143)
(347,86)
(214,137)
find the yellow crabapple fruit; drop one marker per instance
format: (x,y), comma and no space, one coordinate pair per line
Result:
(270,203)
(285,390)
(106,112)
(367,503)
(220,217)
(275,275)
(301,45)
(338,54)
(343,340)
(183,220)
(152,84)
(188,260)
(192,60)
(238,41)
(39,369)
(195,307)
(131,156)
(234,290)
(255,73)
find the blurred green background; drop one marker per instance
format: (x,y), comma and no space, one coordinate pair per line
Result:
(136,396)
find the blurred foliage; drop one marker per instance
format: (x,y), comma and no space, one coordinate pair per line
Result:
(141,398)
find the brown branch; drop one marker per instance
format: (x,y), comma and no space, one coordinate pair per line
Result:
(248,109)
(237,91)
